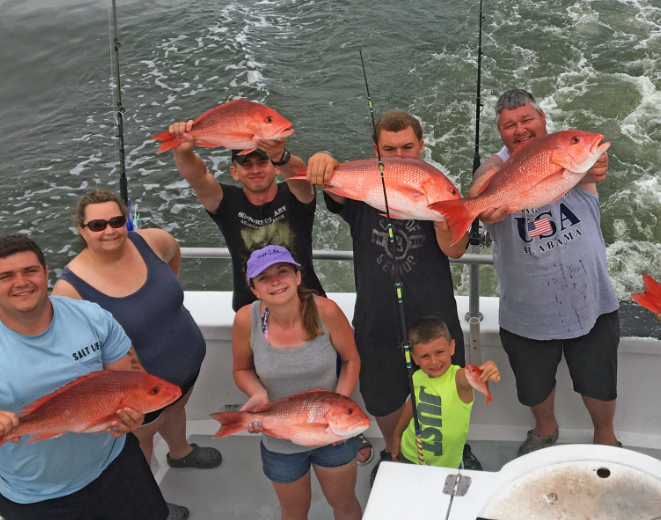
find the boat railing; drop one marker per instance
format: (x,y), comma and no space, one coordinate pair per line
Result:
(324,254)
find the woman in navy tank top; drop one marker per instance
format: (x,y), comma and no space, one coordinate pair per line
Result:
(133,275)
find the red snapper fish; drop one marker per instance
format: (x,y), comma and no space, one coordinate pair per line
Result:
(234,125)
(314,418)
(472,375)
(536,174)
(89,404)
(411,185)
(651,298)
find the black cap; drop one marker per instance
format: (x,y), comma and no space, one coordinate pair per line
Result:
(241,158)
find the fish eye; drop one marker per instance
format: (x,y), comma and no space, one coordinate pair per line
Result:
(576,139)
(454,192)
(154,390)
(269,119)
(350,410)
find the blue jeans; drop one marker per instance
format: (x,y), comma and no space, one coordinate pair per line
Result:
(286,468)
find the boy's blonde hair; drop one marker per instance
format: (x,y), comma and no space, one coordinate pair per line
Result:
(428,328)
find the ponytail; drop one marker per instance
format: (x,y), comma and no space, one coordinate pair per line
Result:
(309,313)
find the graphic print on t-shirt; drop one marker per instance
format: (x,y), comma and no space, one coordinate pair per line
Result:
(557,230)
(431,422)
(408,238)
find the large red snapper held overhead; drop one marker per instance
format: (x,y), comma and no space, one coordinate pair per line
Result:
(536,174)
(314,418)
(234,125)
(651,298)
(89,404)
(411,185)
(472,375)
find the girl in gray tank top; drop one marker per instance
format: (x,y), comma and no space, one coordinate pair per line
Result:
(284,343)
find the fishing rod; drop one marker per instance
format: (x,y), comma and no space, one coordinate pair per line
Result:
(404,343)
(119,111)
(474,238)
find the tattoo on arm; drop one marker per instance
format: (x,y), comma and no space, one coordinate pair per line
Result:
(135,362)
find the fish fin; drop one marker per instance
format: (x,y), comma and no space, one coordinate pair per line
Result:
(486,183)
(167,145)
(300,171)
(395,215)
(488,398)
(223,106)
(231,422)
(27,410)
(44,436)
(206,144)
(246,152)
(163,136)
(651,298)
(457,215)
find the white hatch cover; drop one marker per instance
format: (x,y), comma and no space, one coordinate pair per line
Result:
(579,490)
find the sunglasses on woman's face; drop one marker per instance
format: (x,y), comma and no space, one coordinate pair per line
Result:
(100,225)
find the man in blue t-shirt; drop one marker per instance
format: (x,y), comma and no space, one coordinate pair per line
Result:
(46,342)
(555,293)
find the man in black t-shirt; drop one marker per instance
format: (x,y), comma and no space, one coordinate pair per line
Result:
(421,257)
(259,213)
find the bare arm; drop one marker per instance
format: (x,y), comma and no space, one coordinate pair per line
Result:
(243,368)
(444,239)
(128,419)
(402,424)
(192,168)
(464,389)
(595,174)
(301,189)
(487,170)
(320,171)
(64,288)
(341,337)
(165,246)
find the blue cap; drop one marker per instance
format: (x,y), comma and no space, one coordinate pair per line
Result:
(266,257)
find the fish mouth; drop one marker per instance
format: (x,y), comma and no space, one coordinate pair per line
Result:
(600,147)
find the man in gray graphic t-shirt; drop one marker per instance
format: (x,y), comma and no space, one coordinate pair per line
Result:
(555,293)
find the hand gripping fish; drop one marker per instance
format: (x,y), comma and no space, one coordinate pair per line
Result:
(89,404)
(411,184)
(472,375)
(234,125)
(312,418)
(651,298)
(536,174)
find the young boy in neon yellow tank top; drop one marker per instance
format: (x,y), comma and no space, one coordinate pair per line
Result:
(443,395)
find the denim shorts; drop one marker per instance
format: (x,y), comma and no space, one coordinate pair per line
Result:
(286,468)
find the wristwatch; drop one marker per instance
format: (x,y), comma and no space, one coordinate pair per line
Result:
(283,160)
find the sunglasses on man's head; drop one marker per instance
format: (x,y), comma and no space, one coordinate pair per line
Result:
(100,225)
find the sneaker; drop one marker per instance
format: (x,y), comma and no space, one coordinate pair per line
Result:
(536,442)
(383,455)
(470,460)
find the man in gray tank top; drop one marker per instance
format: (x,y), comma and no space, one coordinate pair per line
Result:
(555,293)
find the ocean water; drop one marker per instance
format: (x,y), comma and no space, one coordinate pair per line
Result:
(594,65)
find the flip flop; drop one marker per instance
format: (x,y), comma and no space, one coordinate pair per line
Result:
(202,458)
(364,443)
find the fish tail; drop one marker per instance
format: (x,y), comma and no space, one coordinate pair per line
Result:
(301,173)
(651,298)
(457,214)
(168,141)
(231,422)
(488,398)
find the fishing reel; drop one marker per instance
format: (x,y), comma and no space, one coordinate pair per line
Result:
(479,236)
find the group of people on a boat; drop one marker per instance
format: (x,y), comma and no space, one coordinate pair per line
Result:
(121,294)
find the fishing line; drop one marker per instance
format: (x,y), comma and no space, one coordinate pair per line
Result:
(404,344)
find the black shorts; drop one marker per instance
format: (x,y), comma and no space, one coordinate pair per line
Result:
(185,388)
(383,377)
(592,362)
(125,490)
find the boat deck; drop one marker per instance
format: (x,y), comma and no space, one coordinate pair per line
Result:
(238,489)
